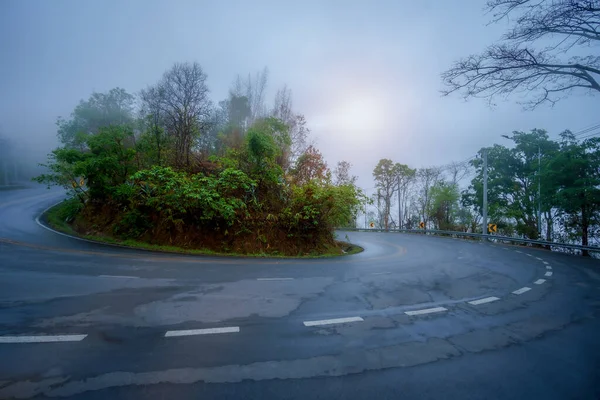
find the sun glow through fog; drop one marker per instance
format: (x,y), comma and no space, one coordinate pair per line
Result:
(360,114)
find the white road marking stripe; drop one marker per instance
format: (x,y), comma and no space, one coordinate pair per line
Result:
(522,290)
(380,273)
(529,255)
(548,273)
(333,321)
(426,311)
(42,338)
(546,262)
(519,251)
(209,331)
(537,258)
(483,301)
(119,276)
(505,248)
(548,267)
(539,281)
(274,279)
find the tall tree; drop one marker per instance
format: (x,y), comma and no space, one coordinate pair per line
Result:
(386,182)
(406,177)
(443,206)
(342,175)
(310,166)
(542,55)
(184,102)
(428,178)
(576,170)
(100,110)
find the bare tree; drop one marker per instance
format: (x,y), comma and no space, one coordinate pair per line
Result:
(185,105)
(342,175)
(428,177)
(296,123)
(548,74)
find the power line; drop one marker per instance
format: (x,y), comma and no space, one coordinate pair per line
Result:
(586,130)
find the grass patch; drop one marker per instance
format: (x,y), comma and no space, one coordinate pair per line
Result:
(60,216)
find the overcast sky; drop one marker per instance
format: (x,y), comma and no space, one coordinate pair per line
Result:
(366,74)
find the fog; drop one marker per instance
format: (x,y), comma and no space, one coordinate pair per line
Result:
(365,74)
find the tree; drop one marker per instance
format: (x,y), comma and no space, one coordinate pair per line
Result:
(100,110)
(514,178)
(576,170)
(406,177)
(517,65)
(183,99)
(386,182)
(342,175)
(428,178)
(443,204)
(310,166)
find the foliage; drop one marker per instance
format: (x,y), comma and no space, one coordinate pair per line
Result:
(100,110)
(310,166)
(167,183)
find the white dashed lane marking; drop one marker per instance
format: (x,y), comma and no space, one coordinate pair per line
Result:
(333,321)
(426,311)
(42,338)
(529,255)
(275,279)
(539,281)
(548,273)
(548,267)
(522,290)
(519,251)
(537,258)
(381,273)
(546,262)
(483,301)
(118,276)
(209,331)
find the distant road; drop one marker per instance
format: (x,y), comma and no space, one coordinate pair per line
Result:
(412,317)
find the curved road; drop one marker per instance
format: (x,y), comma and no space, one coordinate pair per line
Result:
(411,317)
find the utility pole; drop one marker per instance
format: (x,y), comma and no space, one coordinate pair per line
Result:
(485,179)
(399,206)
(539,221)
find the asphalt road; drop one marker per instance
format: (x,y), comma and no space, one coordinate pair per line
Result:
(412,317)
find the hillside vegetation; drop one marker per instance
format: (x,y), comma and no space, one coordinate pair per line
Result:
(233,178)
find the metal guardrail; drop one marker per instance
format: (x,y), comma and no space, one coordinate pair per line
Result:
(480,235)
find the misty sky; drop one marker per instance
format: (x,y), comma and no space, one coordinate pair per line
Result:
(364,73)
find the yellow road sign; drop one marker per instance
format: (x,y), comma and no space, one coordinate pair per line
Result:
(372,225)
(422,225)
(492,228)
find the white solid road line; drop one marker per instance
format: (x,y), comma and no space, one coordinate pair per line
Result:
(548,273)
(274,279)
(548,267)
(522,290)
(209,331)
(333,321)
(539,281)
(483,301)
(118,276)
(42,338)
(426,311)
